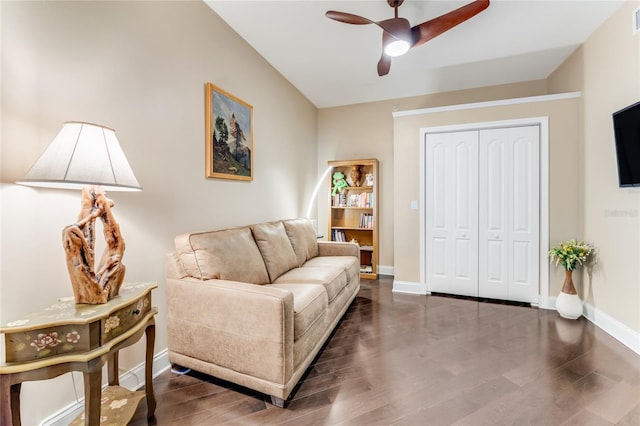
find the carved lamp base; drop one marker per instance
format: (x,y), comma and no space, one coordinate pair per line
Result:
(90,284)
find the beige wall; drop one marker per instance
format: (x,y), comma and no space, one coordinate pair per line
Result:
(607,70)
(563,173)
(366,131)
(139,67)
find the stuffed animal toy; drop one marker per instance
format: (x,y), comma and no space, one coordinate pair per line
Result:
(338,183)
(368,179)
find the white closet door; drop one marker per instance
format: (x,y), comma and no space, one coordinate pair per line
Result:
(494,180)
(452,212)
(509,213)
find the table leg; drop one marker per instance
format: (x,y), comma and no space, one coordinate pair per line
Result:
(92,395)
(114,380)
(15,404)
(148,369)
(9,401)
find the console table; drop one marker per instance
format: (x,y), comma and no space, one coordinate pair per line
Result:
(67,337)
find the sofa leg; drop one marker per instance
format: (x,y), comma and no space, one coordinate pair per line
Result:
(278,402)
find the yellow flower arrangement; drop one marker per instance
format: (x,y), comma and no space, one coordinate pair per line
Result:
(571,254)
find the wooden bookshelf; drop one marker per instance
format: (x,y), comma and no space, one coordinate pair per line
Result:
(353,213)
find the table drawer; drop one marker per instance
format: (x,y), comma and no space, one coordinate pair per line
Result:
(51,341)
(122,320)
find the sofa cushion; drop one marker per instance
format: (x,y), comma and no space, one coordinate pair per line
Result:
(349,264)
(303,239)
(333,278)
(310,304)
(275,247)
(230,254)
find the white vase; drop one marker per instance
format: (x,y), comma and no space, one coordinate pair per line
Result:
(569,305)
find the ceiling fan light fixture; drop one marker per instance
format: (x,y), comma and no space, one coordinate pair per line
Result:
(397,47)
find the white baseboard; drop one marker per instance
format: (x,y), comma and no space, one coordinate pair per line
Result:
(606,323)
(132,379)
(408,287)
(625,335)
(385,270)
(551,303)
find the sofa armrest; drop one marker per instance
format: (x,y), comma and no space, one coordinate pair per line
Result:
(335,248)
(173,266)
(243,327)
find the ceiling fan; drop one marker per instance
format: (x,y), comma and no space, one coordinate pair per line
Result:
(397,34)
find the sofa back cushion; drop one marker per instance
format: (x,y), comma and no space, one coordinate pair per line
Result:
(303,239)
(230,254)
(277,252)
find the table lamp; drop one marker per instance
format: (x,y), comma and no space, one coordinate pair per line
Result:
(89,157)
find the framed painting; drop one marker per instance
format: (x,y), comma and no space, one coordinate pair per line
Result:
(229,129)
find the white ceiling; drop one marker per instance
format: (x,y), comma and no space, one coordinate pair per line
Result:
(334,64)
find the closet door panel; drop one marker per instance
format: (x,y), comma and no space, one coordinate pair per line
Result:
(509,213)
(524,212)
(439,256)
(451,212)
(494,171)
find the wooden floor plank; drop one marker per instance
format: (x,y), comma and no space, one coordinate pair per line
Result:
(432,360)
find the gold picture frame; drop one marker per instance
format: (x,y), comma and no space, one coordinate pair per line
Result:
(229,135)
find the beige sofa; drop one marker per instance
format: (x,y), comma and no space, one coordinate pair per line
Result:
(254,305)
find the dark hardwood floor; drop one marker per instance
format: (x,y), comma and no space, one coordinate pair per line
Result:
(432,360)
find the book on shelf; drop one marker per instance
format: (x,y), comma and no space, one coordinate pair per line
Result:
(339,200)
(361,200)
(338,235)
(367,269)
(366,221)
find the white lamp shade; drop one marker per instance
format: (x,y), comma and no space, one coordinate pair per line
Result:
(83,154)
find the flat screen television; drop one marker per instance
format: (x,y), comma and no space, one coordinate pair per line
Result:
(626,128)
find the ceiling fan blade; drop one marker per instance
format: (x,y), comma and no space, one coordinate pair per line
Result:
(384,64)
(424,32)
(348,18)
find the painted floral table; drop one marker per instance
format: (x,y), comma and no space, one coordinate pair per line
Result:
(68,337)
